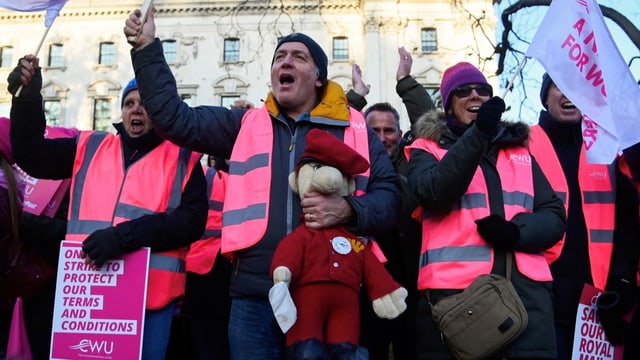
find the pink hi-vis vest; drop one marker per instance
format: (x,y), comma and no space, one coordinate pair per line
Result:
(202,253)
(453,252)
(597,185)
(104,194)
(246,209)
(541,148)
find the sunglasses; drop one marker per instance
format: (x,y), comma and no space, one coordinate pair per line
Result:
(481,90)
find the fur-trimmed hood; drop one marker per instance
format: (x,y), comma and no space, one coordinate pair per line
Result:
(433,126)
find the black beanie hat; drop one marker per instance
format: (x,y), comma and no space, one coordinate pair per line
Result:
(318,55)
(544,89)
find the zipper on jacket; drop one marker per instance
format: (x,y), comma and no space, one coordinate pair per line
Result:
(237,263)
(293,142)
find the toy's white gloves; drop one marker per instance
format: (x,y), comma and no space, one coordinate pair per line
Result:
(391,305)
(280,299)
(282,273)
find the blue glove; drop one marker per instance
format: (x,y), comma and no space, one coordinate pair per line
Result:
(103,245)
(498,232)
(489,115)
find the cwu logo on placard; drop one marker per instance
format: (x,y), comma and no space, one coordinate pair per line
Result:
(89,346)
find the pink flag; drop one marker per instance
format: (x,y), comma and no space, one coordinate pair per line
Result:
(18,346)
(574,45)
(52,7)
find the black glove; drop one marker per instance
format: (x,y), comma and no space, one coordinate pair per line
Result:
(620,298)
(103,245)
(489,115)
(31,91)
(498,232)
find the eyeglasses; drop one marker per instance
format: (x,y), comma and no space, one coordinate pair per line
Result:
(481,90)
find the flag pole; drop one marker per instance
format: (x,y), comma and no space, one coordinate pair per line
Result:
(513,78)
(44,36)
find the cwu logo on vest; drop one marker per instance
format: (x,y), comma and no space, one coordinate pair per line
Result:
(89,346)
(358,126)
(518,158)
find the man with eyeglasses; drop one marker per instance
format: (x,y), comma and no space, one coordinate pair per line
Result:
(599,199)
(482,198)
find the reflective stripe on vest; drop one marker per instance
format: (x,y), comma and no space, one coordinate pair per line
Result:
(245,214)
(453,253)
(103,194)
(597,185)
(202,253)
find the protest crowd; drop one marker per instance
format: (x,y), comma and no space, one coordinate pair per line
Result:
(316,229)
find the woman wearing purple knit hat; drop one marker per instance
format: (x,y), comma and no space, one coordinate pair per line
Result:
(483,200)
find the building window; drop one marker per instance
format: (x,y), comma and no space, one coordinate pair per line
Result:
(434,94)
(429,40)
(107,53)
(6,56)
(170,51)
(55,55)
(5,107)
(341,48)
(52,112)
(228,100)
(187,98)
(231,50)
(102,114)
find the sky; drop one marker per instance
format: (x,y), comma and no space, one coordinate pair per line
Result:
(524,100)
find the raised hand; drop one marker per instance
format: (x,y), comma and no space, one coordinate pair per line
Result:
(26,75)
(404,65)
(359,86)
(139,30)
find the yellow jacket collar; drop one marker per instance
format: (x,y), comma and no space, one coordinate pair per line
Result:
(332,105)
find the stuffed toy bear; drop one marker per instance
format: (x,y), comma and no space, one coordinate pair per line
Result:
(324,268)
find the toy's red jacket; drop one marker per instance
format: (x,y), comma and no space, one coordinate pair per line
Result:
(328,266)
(311,257)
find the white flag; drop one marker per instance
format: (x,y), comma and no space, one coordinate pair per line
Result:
(52,7)
(574,45)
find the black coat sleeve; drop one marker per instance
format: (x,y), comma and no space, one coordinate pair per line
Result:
(39,157)
(415,98)
(438,185)
(356,100)
(542,228)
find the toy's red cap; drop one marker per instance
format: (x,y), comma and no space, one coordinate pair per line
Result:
(327,149)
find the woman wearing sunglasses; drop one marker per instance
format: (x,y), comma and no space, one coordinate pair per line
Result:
(483,198)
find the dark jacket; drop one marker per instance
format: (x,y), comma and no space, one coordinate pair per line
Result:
(213,130)
(401,244)
(438,185)
(53,159)
(572,269)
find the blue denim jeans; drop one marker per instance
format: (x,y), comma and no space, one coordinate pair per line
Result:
(157,328)
(253,331)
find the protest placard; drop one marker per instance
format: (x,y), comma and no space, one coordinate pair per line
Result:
(99,313)
(589,340)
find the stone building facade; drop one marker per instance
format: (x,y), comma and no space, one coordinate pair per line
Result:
(221,50)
